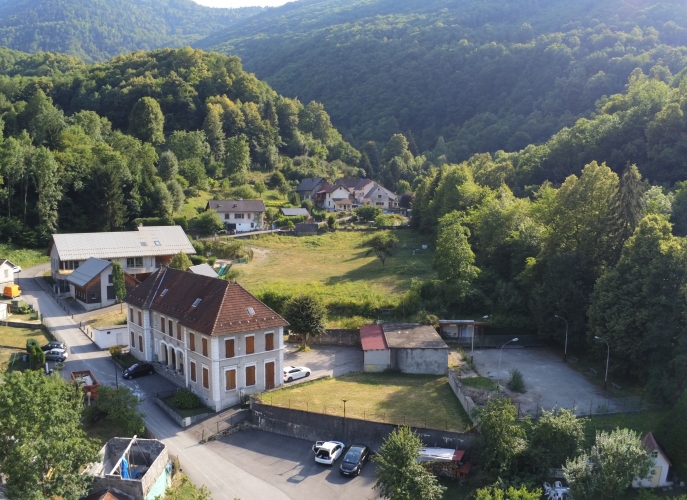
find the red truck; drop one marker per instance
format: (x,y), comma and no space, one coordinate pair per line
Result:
(87,380)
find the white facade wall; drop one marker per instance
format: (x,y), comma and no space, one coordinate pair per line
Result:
(245,221)
(107,336)
(377,360)
(6,274)
(658,474)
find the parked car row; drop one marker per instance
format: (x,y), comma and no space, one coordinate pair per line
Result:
(327,452)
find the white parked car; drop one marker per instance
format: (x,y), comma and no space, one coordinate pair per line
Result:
(326,452)
(294,372)
(16,269)
(56,354)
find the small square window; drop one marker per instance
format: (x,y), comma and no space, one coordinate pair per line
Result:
(251,311)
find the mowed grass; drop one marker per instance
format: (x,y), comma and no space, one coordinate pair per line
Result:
(336,266)
(108,319)
(16,338)
(192,205)
(21,256)
(396,398)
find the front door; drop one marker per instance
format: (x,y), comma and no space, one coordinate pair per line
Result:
(119,338)
(656,477)
(269,375)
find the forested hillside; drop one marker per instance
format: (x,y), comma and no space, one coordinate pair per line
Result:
(483,74)
(95,30)
(91,148)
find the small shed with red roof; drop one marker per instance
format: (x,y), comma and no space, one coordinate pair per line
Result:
(376,353)
(660,474)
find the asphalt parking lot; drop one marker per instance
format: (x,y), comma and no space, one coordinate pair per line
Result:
(289,465)
(549,382)
(325,360)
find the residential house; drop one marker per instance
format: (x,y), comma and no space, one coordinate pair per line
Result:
(140,252)
(381,197)
(404,347)
(660,472)
(308,188)
(6,272)
(335,198)
(92,286)
(204,270)
(358,187)
(239,215)
(219,341)
(461,328)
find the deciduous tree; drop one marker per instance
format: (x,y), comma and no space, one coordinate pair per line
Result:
(306,316)
(146,121)
(383,245)
(180,261)
(504,440)
(118,281)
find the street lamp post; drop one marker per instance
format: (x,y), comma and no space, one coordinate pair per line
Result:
(498,380)
(608,357)
(472,347)
(565,352)
(344,402)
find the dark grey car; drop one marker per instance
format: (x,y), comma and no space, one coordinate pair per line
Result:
(354,459)
(53,344)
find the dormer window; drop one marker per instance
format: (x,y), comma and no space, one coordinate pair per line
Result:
(195,303)
(144,244)
(164,292)
(251,311)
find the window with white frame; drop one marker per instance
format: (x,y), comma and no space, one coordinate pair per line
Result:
(238,216)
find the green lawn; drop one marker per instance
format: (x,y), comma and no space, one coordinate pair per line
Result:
(337,267)
(479,383)
(108,319)
(192,205)
(21,256)
(642,423)
(17,337)
(416,400)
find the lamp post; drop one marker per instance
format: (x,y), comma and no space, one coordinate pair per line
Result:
(608,357)
(565,352)
(498,380)
(344,402)
(472,347)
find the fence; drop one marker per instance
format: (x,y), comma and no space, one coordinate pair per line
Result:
(492,341)
(586,408)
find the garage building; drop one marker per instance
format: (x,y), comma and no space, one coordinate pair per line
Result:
(404,347)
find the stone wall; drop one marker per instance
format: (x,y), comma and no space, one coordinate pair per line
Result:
(331,337)
(419,361)
(317,426)
(466,401)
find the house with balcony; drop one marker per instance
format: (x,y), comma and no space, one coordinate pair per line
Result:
(140,252)
(239,215)
(92,285)
(335,198)
(216,338)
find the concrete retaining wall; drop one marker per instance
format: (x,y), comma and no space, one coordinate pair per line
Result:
(466,401)
(317,426)
(430,361)
(181,421)
(332,337)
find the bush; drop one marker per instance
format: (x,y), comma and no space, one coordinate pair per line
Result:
(368,212)
(196,259)
(22,308)
(186,400)
(118,407)
(211,261)
(354,323)
(516,382)
(181,221)
(31,343)
(116,351)
(208,223)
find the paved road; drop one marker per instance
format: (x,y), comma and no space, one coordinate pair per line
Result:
(223,478)
(288,463)
(325,360)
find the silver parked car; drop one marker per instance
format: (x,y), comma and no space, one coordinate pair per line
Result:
(56,355)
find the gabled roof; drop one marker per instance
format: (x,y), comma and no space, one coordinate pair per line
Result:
(650,444)
(236,205)
(203,270)
(372,338)
(352,182)
(5,261)
(331,189)
(88,271)
(390,194)
(309,183)
(145,241)
(221,307)
(290,212)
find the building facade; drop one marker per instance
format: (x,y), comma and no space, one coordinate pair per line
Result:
(140,252)
(239,215)
(308,188)
(92,285)
(224,343)
(6,272)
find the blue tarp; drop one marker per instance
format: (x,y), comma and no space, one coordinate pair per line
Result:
(125,468)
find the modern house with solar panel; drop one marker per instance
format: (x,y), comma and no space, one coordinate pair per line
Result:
(211,334)
(140,253)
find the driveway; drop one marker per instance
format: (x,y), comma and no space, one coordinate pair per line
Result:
(324,360)
(288,464)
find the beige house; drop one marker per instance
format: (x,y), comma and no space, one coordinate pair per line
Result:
(381,197)
(335,198)
(139,252)
(219,339)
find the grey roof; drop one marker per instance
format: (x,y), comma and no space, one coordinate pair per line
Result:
(390,194)
(3,261)
(289,212)
(412,336)
(87,271)
(309,184)
(236,205)
(145,241)
(203,269)
(352,182)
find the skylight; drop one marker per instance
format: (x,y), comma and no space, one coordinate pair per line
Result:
(196,302)
(164,292)
(157,243)
(251,311)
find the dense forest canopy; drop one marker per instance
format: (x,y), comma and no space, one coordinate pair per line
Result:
(93,147)
(484,75)
(95,30)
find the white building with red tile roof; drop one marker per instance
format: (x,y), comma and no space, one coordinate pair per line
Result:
(218,339)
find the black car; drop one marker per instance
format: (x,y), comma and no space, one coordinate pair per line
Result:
(138,369)
(355,458)
(54,344)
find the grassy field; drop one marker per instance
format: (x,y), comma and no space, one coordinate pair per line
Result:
(17,337)
(642,423)
(191,205)
(337,267)
(108,319)
(479,383)
(417,400)
(22,256)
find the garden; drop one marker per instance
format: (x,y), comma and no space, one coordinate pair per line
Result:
(12,341)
